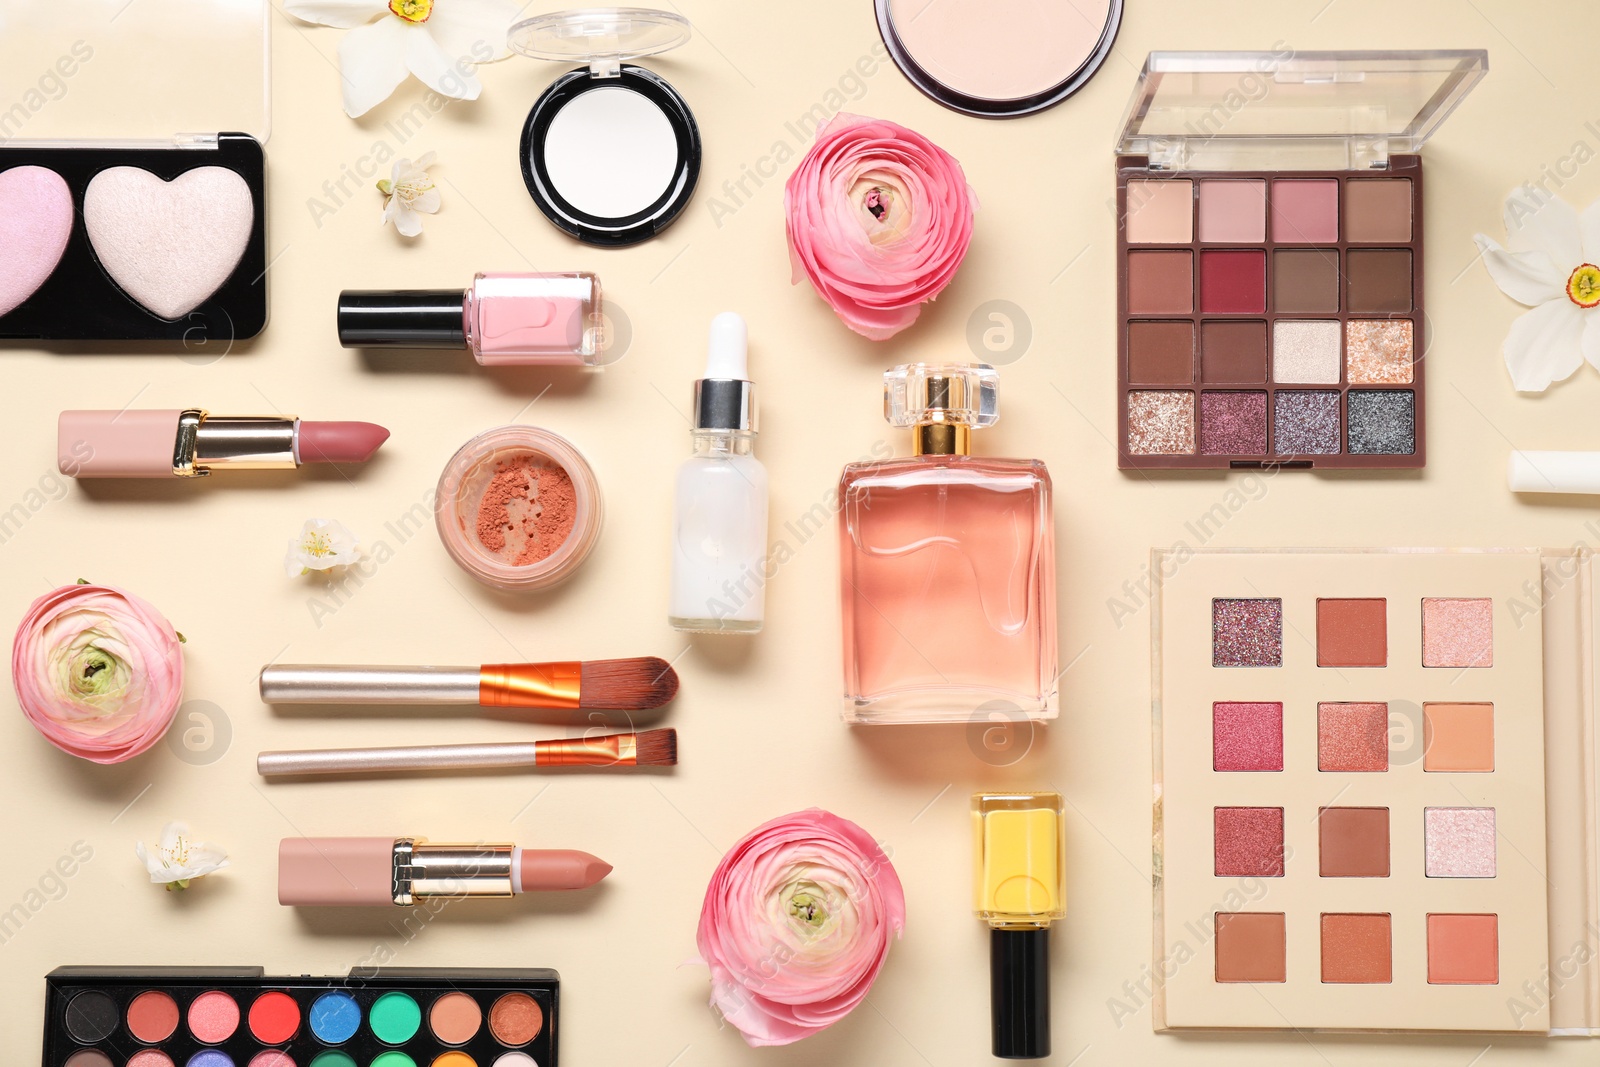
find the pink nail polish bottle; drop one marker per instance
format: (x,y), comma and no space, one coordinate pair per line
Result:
(503,319)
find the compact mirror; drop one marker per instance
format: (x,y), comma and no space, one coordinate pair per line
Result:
(610,152)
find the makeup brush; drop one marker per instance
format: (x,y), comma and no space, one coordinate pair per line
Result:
(635,684)
(652,748)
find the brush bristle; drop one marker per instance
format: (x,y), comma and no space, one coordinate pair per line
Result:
(635,684)
(657,748)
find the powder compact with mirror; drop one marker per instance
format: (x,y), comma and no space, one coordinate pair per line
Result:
(610,152)
(159,232)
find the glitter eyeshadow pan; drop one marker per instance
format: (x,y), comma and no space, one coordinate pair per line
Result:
(238,1017)
(1278,281)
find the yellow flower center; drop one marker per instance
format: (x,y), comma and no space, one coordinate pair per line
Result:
(318,545)
(1583,286)
(416,11)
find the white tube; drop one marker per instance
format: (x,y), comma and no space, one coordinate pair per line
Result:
(1555,472)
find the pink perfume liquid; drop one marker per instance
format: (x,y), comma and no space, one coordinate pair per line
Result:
(948,588)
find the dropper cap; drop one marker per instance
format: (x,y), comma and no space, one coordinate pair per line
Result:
(725,399)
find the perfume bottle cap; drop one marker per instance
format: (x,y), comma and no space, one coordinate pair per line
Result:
(965,394)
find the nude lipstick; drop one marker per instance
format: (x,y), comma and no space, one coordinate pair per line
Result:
(192,443)
(364,871)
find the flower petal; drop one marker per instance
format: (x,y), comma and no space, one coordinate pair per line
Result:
(372,64)
(437,69)
(406,222)
(1591,338)
(428,202)
(1550,226)
(1544,345)
(1526,277)
(1589,225)
(474,30)
(341,13)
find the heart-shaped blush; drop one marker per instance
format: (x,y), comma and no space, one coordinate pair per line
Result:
(34,228)
(169,245)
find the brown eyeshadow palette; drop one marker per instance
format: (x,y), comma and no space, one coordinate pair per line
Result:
(239,1017)
(1270,318)
(1375,790)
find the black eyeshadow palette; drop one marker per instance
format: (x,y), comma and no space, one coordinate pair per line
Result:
(240,1017)
(145,242)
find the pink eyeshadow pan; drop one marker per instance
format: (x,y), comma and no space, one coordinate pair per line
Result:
(1305,209)
(213,1017)
(1352,737)
(1246,737)
(1233,210)
(1248,842)
(1457,632)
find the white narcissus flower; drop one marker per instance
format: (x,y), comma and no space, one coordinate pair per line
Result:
(408,190)
(323,544)
(1551,264)
(439,41)
(179,859)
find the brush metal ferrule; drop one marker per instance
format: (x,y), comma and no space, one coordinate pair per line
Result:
(531,685)
(305,683)
(422,870)
(238,442)
(590,751)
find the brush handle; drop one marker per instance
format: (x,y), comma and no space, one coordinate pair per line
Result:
(305,683)
(380,760)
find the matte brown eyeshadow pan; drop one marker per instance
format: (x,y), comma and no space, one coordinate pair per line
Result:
(1270,319)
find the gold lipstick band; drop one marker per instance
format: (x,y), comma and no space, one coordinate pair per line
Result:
(600,751)
(239,442)
(530,685)
(422,870)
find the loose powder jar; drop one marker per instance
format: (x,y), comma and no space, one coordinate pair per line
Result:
(518,508)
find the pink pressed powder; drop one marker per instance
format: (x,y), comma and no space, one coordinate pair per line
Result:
(527,512)
(518,508)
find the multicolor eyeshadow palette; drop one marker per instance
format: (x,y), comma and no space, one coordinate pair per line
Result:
(237,1017)
(1351,760)
(1270,319)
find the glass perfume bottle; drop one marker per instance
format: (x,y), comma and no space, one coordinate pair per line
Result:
(947,564)
(1019,875)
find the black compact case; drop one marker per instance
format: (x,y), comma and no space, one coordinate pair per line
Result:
(80,300)
(88,1021)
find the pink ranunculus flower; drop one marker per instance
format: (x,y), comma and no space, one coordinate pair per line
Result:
(796,925)
(879,218)
(98,671)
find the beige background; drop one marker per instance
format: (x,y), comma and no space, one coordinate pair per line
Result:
(759,726)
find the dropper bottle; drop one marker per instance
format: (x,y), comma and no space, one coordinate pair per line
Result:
(719,522)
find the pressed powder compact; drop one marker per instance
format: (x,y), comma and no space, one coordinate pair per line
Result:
(1270,257)
(998,59)
(129,216)
(610,152)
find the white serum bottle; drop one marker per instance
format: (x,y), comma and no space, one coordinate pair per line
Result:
(719,520)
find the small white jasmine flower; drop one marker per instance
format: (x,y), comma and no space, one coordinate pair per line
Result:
(441,42)
(323,544)
(408,190)
(179,859)
(1551,264)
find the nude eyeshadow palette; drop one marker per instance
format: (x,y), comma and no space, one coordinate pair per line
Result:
(1270,318)
(1270,257)
(239,1017)
(1351,768)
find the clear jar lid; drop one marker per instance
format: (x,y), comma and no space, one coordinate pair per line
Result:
(602,37)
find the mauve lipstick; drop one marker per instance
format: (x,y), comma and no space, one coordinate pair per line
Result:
(192,443)
(367,871)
